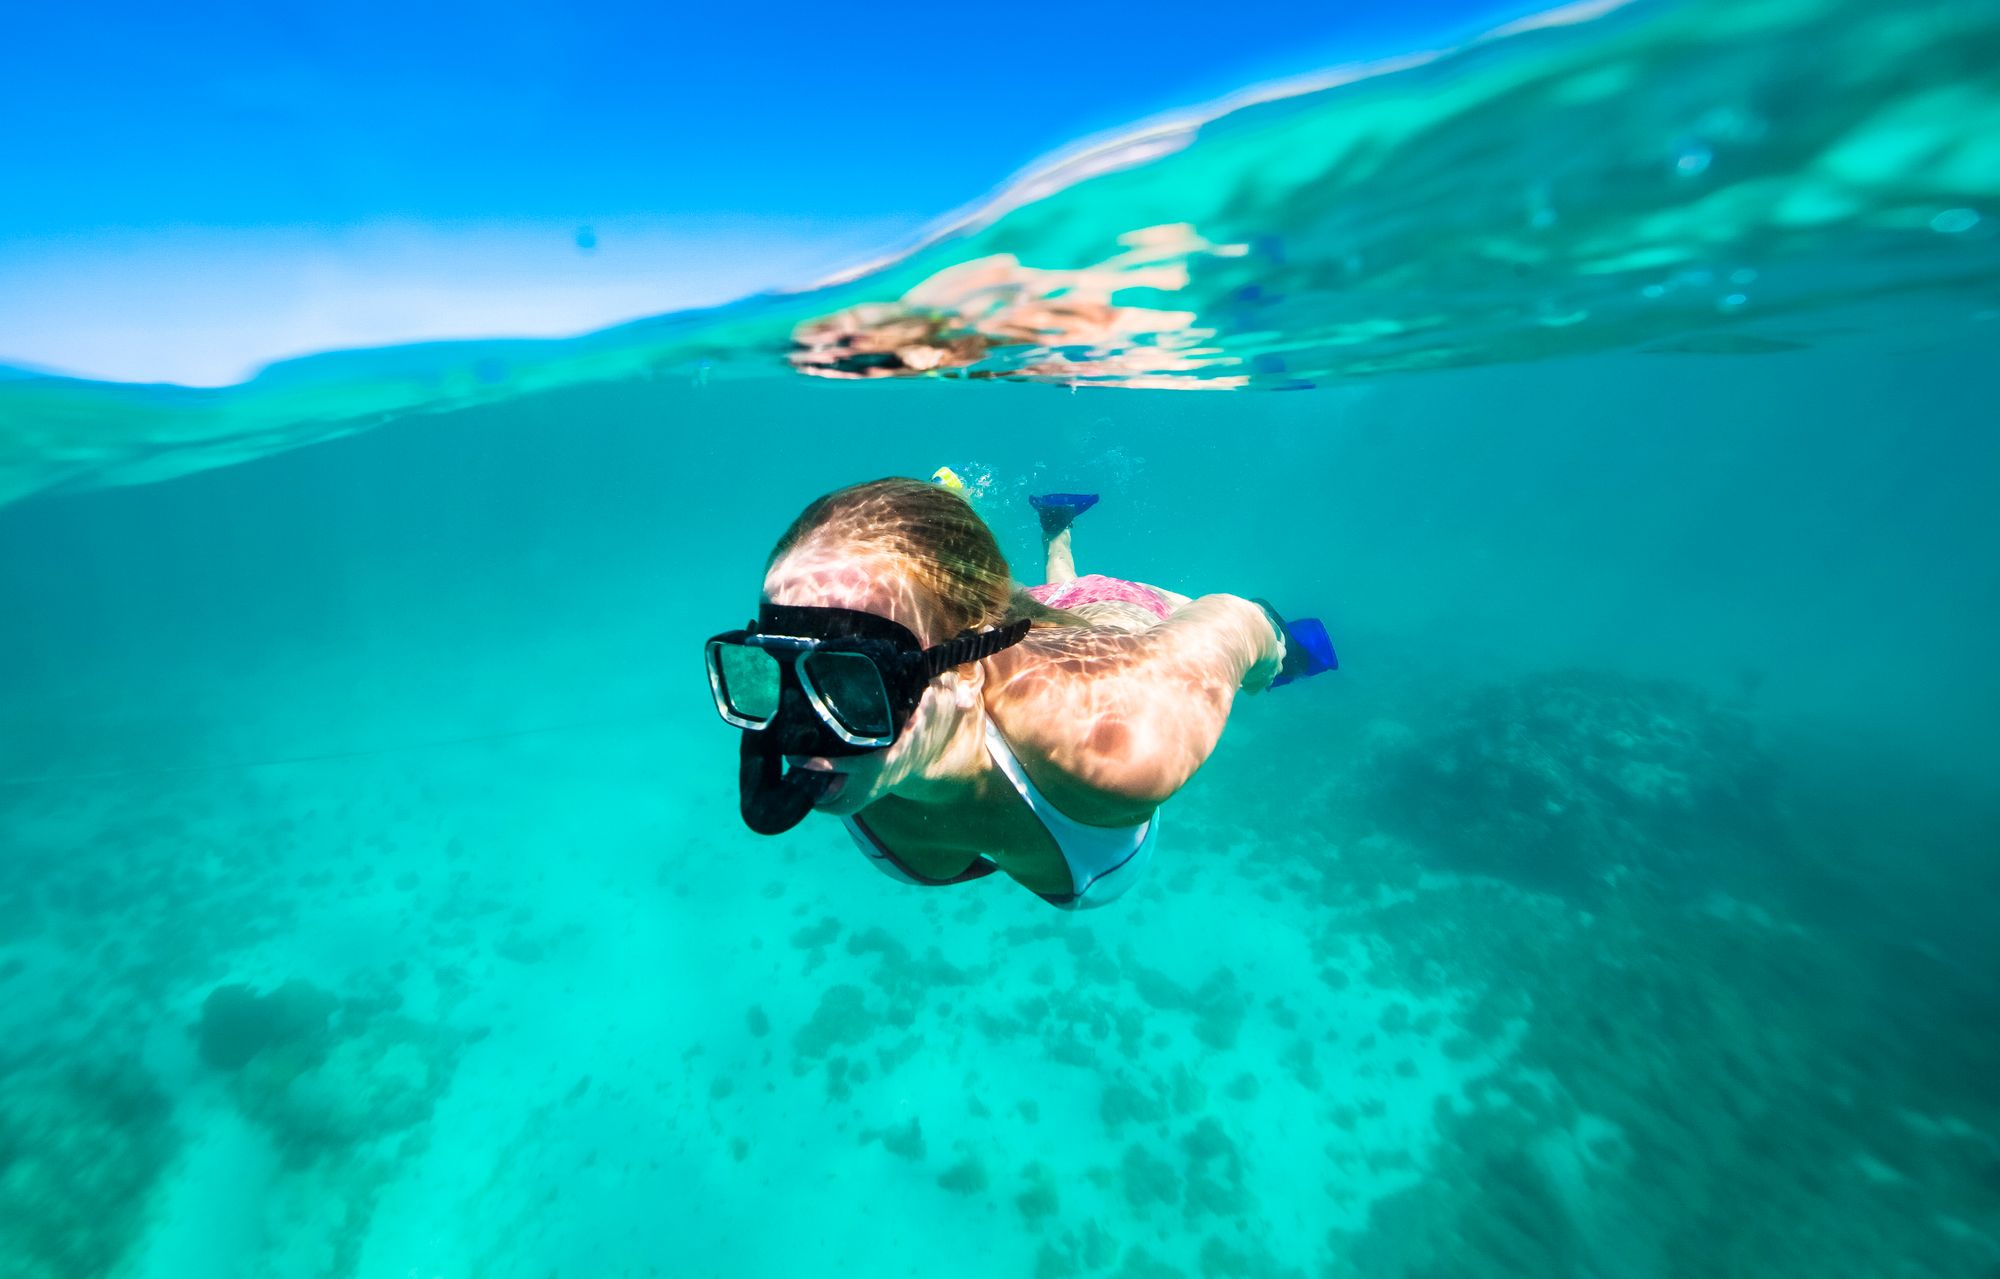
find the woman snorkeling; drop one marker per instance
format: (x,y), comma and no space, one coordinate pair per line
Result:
(898,679)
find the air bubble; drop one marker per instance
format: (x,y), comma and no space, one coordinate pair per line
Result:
(1541,209)
(1734,302)
(1953,221)
(1694,161)
(1743,275)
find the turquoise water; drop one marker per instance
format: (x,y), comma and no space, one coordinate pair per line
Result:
(1622,909)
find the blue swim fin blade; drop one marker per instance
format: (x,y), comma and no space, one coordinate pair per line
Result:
(1058,510)
(1308,648)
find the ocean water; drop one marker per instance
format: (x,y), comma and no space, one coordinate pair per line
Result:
(375,902)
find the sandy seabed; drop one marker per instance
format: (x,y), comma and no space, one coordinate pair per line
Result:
(538,1007)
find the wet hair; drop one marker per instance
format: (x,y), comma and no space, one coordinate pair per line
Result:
(931,533)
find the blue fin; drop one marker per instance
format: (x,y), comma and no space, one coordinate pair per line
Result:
(1059,509)
(1308,651)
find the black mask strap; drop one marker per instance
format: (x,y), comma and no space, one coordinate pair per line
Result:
(972,648)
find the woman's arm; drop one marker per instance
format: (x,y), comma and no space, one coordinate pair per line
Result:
(1130,722)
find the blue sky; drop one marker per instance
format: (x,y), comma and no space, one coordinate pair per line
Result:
(191,191)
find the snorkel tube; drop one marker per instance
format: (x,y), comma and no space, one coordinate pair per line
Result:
(775,800)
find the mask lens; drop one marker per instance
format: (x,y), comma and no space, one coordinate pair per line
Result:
(747,679)
(851,689)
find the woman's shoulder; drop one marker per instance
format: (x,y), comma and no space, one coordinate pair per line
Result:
(1082,733)
(1060,673)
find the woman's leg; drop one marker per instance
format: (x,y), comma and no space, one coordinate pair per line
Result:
(1060,566)
(1060,562)
(1057,512)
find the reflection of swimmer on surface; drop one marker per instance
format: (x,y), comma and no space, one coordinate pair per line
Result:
(1056,325)
(897,678)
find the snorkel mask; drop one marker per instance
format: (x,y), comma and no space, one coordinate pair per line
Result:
(827,682)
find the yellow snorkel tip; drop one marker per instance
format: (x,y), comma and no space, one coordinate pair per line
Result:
(949,478)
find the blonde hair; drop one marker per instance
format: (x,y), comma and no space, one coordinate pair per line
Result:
(931,533)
